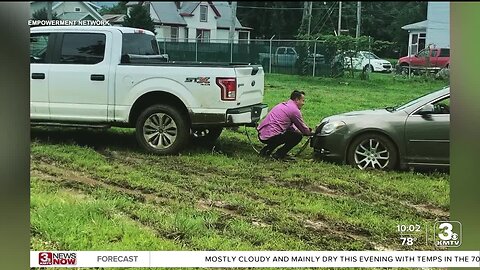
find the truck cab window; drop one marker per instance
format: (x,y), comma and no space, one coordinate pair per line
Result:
(81,48)
(140,44)
(444,53)
(281,51)
(38,48)
(423,53)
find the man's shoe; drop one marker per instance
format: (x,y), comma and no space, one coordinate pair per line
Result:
(265,152)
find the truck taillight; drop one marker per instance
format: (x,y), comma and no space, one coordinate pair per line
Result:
(228,87)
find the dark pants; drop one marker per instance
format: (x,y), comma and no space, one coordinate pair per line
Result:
(289,139)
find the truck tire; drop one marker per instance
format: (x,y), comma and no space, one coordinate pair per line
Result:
(161,129)
(206,135)
(405,68)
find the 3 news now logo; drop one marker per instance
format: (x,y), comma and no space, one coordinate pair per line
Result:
(57,258)
(448,233)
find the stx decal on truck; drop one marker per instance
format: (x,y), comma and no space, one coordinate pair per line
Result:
(200,80)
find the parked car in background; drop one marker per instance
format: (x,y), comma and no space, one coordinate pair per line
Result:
(413,134)
(283,57)
(287,57)
(432,59)
(367,61)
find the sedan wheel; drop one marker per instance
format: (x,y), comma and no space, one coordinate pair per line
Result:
(372,151)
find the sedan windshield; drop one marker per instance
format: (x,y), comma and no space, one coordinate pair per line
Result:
(417,100)
(370,55)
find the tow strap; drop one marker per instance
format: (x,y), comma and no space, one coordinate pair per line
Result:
(258,152)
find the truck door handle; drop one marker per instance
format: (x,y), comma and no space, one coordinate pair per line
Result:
(97,77)
(40,76)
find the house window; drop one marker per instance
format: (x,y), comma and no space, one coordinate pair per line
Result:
(203,13)
(174,34)
(186,34)
(242,37)
(203,35)
(418,43)
(77,9)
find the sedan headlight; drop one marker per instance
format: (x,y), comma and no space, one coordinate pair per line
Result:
(331,127)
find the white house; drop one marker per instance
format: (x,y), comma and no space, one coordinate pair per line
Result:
(72,11)
(435,31)
(203,21)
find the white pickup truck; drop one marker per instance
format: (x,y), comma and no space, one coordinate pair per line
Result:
(108,76)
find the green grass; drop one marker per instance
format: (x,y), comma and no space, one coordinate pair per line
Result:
(96,190)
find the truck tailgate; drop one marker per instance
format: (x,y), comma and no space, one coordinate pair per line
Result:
(250,83)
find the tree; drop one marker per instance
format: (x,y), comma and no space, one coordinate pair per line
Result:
(380,20)
(41,14)
(281,19)
(139,17)
(119,8)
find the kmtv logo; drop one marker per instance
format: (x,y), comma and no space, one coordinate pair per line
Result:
(57,258)
(448,234)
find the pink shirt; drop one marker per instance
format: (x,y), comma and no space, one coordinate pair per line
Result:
(283,116)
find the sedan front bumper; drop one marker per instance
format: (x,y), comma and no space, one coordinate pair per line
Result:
(331,147)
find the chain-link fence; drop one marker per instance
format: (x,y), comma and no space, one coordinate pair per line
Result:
(302,57)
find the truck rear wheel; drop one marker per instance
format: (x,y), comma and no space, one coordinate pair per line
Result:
(161,129)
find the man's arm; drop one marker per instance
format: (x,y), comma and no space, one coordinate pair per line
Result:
(297,120)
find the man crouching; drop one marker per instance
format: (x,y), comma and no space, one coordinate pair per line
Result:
(283,125)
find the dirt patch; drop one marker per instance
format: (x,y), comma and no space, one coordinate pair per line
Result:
(323,190)
(114,155)
(423,209)
(324,227)
(429,209)
(220,206)
(71,178)
(229,210)
(315,188)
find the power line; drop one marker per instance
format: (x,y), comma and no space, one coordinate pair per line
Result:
(320,20)
(286,8)
(328,14)
(324,17)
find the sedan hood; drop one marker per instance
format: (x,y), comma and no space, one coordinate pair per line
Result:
(379,61)
(366,113)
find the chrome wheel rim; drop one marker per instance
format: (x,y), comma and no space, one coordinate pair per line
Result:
(371,154)
(160,131)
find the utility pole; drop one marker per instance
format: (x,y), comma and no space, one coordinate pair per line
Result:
(359,18)
(310,4)
(49,11)
(304,16)
(339,18)
(231,35)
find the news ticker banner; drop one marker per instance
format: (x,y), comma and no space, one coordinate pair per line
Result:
(255,259)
